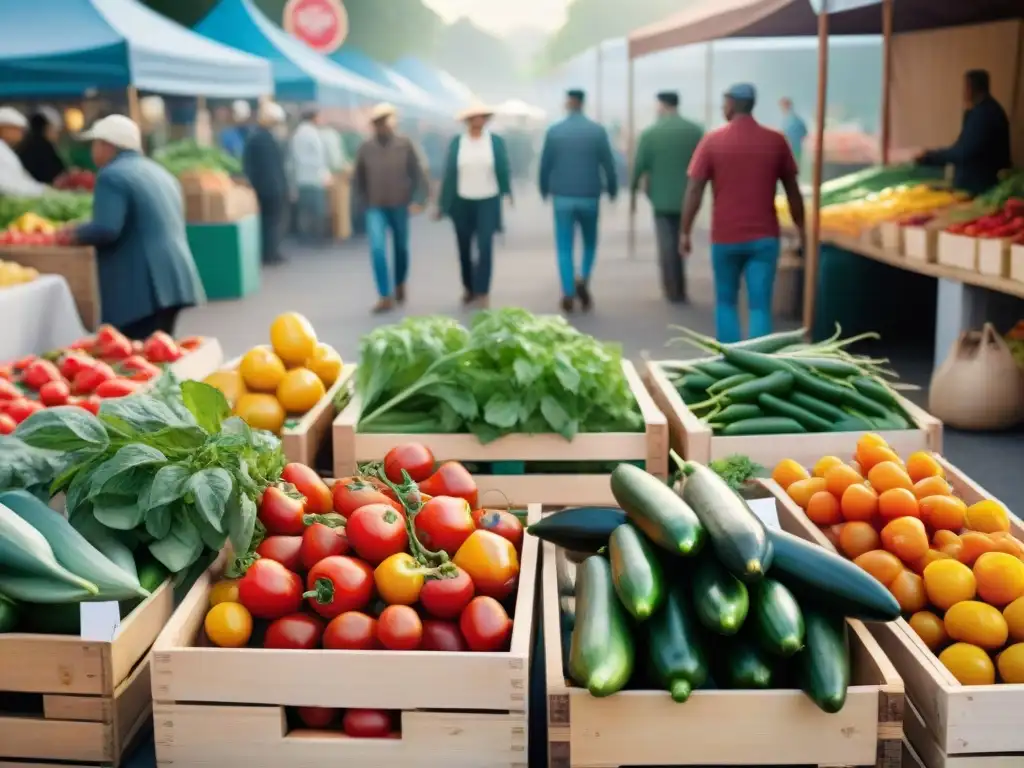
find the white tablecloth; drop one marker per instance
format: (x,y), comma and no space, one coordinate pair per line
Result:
(37,317)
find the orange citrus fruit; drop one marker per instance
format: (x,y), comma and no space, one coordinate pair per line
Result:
(823,509)
(293,338)
(859,503)
(787,472)
(976,623)
(969,664)
(987,516)
(824,464)
(932,486)
(300,390)
(908,589)
(856,538)
(1000,578)
(897,502)
(1011,664)
(887,475)
(802,490)
(841,477)
(922,464)
(943,512)
(948,582)
(973,545)
(261,370)
(930,629)
(1014,615)
(883,565)
(906,538)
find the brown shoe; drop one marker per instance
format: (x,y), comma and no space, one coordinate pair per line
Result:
(383,305)
(568,304)
(400,293)
(583,291)
(468,297)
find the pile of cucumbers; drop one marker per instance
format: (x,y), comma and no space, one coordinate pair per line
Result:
(690,591)
(48,567)
(778,385)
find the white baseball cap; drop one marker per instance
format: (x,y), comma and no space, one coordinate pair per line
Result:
(118,130)
(272,112)
(241,111)
(383,111)
(11,116)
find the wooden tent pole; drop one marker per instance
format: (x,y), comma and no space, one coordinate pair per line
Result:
(200,108)
(134,112)
(631,153)
(811,255)
(709,86)
(599,86)
(887,12)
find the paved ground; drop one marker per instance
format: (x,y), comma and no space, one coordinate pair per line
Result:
(333,287)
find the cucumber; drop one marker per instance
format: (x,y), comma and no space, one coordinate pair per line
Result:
(636,572)
(724,385)
(747,667)
(827,411)
(697,381)
(717,368)
(720,600)
(778,620)
(602,654)
(737,412)
(824,665)
(693,396)
(25,552)
(737,535)
(565,575)
(766,425)
(674,646)
(10,613)
(72,549)
(822,579)
(806,419)
(579,529)
(107,543)
(656,510)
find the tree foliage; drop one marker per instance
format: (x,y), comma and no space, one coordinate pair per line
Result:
(463,46)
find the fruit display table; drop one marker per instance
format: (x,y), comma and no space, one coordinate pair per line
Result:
(227,256)
(38,316)
(76,264)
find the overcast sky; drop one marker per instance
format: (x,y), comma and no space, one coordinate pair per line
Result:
(502,16)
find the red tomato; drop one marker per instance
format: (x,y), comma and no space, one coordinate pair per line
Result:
(72,363)
(281,514)
(444,523)
(501,522)
(54,393)
(111,344)
(320,541)
(7,424)
(351,493)
(161,348)
(367,723)
(191,343)
(283,549)
(442,636)
(298,631)
(491,562)
(318,718)
(308,483)
(86,343)
(116,388)
(138,368)
(340,584)
(399,628)
(8,391)
(351,631)
(40,372)
(87,379)
(90,404)
(19,410)
(269,590)
(446,597)
(451,479)
(414,458)
(376,532)
(485,625)
(23,362)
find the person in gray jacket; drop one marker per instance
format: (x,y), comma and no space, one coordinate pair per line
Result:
(147,275)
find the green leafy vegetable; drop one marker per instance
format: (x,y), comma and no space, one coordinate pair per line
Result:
(188,155)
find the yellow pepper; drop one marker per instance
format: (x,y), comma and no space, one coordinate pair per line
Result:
(491,563)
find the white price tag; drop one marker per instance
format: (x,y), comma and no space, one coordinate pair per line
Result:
(100,621)
(765,510)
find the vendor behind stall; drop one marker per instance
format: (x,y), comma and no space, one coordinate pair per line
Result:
(38,150)
(983,148)
(15,181)
(147,275)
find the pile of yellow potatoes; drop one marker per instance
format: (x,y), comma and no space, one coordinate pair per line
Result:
(890,204)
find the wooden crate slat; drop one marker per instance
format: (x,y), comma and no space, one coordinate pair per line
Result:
(29,738)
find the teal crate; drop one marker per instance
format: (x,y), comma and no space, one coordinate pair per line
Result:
(227,256)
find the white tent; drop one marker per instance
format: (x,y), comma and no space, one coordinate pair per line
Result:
(520,109)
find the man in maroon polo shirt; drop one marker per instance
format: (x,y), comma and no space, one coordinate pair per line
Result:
(743,161)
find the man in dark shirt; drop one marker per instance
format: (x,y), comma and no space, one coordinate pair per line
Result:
(983,148)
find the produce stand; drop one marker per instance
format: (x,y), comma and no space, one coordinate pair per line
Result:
(720,727)
(948,724)
(227,255)
(226,706)
(510,480)
(68,699)
(76,264)
(199,363)
(694,440)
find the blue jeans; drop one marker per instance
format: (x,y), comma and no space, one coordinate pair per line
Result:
(758,259)
(311,213)
(476,220)
(378,221)
(571,212)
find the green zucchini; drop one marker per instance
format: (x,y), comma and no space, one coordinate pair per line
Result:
(778,620)
(767,425)
(723,385)
(10,613)
(776,406)
(602,654)
(25,552)
(579,529)
(853,424)
(824,665)
(675,648)
(737,535)
(720,600)
(822,579)
(747,667)
(636,572)
(827,411)
(737,412)
(657,510)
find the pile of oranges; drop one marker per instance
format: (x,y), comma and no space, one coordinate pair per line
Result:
(957,571)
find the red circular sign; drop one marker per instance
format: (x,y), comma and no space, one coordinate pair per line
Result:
(320,24)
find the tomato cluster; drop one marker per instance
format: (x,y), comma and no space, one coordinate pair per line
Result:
(376,562)
(355,723)
(86,373)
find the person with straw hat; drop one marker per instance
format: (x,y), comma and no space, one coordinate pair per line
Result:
(477,176)
(264,166)
(390,178)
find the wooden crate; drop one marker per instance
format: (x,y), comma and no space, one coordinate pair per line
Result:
(737,728)
(352,448)
(199,363)
(958,251)
(1017,263)
(65,699)
(219,706)
(957,724)
(994,257)
(693,439)
(890,235)
(301,440)
(921,244)
(76,264)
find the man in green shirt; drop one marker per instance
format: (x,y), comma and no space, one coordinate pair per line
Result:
(662,159)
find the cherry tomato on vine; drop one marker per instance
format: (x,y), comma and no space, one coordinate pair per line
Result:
(320,541)
(442,636)
(269,590)
(376,532)
(485,625)
(318,718)
(446,597)
(501,522)
(338,584)
(399,579)
(414,458)
(319,500)
(444,523)
(351,493)
(228,625)
(351,631)
(452,479)
(491,563)
(367,723)
(283,549)
(281,514)
(297,631)
(399,628)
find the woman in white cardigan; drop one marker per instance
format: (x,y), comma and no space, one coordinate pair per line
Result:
(477,176)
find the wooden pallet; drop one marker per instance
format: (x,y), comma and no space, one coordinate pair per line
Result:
(953,726)
(218,706)
(77,701)
(693,439)
(649,448)
(737,728)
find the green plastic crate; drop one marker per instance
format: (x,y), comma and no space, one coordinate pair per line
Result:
(227,257)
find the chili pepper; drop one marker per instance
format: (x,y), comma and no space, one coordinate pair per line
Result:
(9,391)
(40,372)
(116,388)
(139,368)
(88,379)
(70,364)
(54,393)
(161,348)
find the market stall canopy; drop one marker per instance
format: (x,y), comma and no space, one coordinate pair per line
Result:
(519,108)
(68,47)
(443,86)
(300,73)
(718,19)
(405,92)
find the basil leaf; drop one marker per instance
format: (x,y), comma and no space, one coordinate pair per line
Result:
(211,537)
(206,403)
(176,440)
(459,400)
(554,414)
(121,513)
(65,428)
(241,522)
(211,489)
(501,411)
(169,484)
(158,521)
(136,415)
(180,548)
(131,457)
(526,372)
